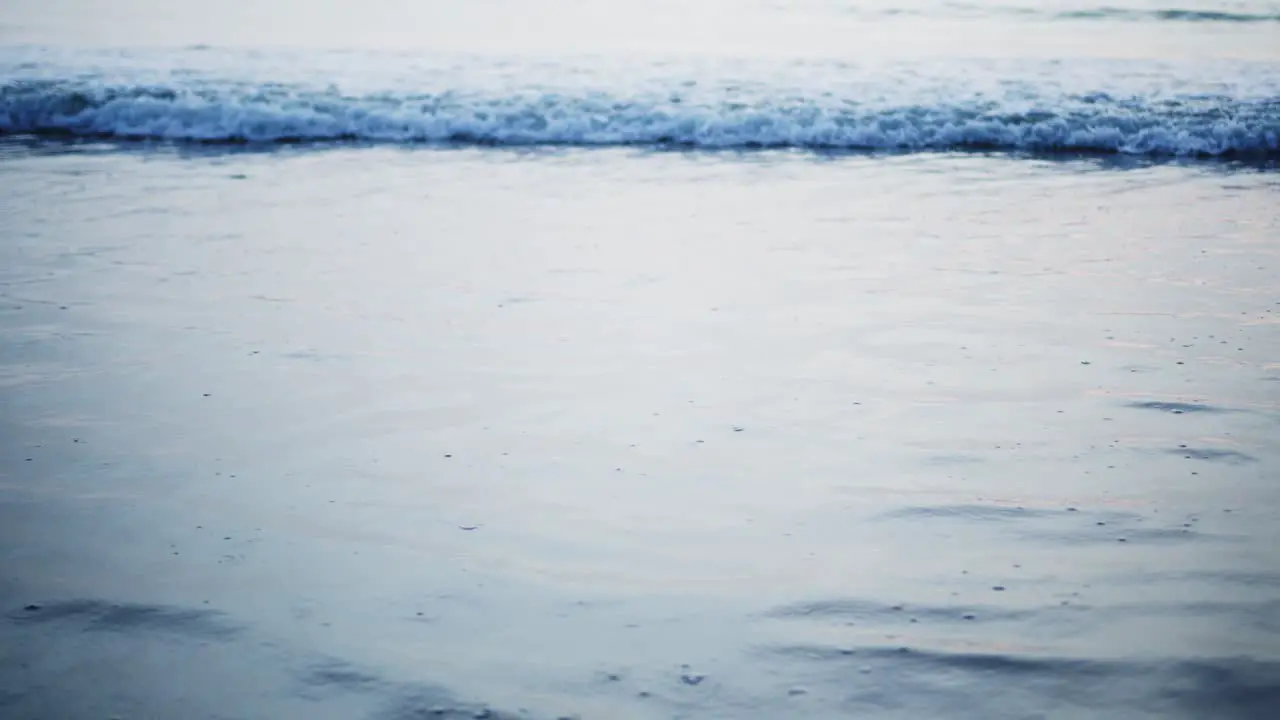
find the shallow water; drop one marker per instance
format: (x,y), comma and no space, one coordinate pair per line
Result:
(387,429)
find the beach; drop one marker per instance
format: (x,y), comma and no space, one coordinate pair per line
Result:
(494,382)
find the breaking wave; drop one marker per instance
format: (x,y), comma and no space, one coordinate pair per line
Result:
(715,118)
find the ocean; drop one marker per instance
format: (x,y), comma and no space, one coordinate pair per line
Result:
(738,359)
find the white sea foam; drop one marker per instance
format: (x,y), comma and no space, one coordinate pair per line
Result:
(1139,108)
(727,118)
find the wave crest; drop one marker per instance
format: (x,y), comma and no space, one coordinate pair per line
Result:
(1094,123)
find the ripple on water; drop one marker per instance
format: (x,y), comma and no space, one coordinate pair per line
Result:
(1229,457)
(101,615)
(844,609)
(1067,526)
(883,681)
(1179,407)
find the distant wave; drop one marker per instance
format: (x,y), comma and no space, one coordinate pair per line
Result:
(1170,14)
(717,118)
(1104,12)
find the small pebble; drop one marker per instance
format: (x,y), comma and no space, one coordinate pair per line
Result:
(31,608)
(998,588)
(692,679)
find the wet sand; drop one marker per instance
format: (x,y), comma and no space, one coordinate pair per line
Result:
(635,435)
